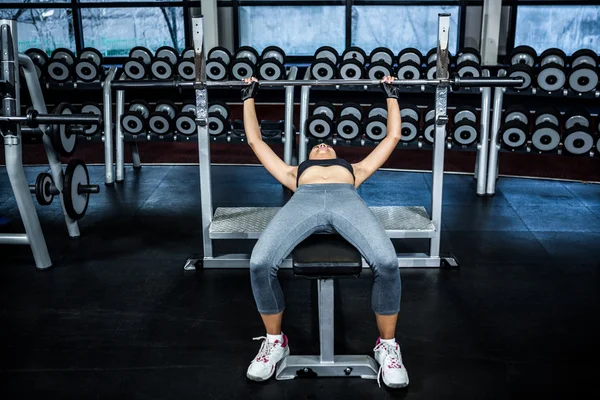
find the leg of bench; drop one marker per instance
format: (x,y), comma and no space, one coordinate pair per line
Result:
(325,289)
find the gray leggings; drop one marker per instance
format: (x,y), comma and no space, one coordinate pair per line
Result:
(316,208)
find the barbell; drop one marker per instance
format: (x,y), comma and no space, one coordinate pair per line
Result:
(33,118)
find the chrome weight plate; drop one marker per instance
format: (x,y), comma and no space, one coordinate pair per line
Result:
(322,69)
(376,128)
(216,106)
(583,78)
(187,70)
(91,108)
(348,127)
(185,123)
(322,107)
(465,133)
(76,203)
(551,77)
(408,129)
(216,69)
(220,53)
(217,125)
(328,53)
(578,141)
(320,126)
(377,109)
(382,54)
(355,53)
(410,54)
(408,70)
(142,54)
(513,135)
(378,70)
(351,69)
(352,109)
(545,137)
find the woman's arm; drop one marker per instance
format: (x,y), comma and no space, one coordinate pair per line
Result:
(280,170)
(384,149)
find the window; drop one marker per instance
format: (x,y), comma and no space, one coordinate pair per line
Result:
(399,27)
(569,28)
(115,31)
(298,30)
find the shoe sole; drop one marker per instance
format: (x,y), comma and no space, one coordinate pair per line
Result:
(259,379)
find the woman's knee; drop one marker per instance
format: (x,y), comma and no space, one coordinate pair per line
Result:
(386,264)
(262,263)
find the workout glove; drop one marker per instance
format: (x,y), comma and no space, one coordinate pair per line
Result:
(249,92)
(391,91)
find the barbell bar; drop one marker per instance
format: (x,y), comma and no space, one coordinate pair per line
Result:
(35,118)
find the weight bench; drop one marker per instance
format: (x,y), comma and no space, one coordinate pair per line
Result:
(326,257)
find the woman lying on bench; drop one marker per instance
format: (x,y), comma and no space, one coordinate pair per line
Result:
(325,200)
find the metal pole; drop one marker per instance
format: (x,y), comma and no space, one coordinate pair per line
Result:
(304,100)
(119,137)
(14,238)
(441,119)
(9,73)
(289,119)
(493,161)
(482,153)
(108,138)
(135,155)
(326,320)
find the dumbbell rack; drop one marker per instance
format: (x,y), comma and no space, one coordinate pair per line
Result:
(496,147)
(250,222)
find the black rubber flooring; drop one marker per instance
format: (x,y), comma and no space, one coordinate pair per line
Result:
(117,317)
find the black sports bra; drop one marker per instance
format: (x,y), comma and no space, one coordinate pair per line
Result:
(324,163)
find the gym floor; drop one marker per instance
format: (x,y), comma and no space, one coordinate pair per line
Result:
(117,317)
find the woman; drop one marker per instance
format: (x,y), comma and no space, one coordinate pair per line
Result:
(325,199)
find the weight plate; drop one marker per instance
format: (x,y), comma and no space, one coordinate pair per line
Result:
(378,70)
(378,109)
(135,69)
(328,53)
(64,142)
(469,69)
(545,137)
(409,111)
(553,55)
(167,107)
(273,52)
(550,116)
(376,128)
(91,54)
(578,141)
(513,135)
(322,69)
(583,78)
(465,133)
(190,106)
(574,120)
(218,107)
(91,108)
(142,54)
(410,54)
(188,52)
(429,132)
(271,129)
(348,127)
(216,69)
(322,107)
(521,71)
(167,52)
(523,55)
(352,109)
(351,69)
(465,112)
(355,53)
(584,56)
(551,77)
(242,69)
(382,54)
(319,126)
(38,56)
(86,71)
(187,70)
(185,123)
(408,70)
(132,123)
(408,129)
(271,69)
(141,107)
(159,123)
(161,69)
(64,54)
(431,55)
(247,53)
(43,186)
(430,116)
(76,174)
(598,147)
(516,114)
(59,70)
(220,53)
(431,70)
(216,124)
(468,54)
(238,128)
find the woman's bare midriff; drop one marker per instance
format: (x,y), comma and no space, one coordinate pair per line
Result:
(331,174)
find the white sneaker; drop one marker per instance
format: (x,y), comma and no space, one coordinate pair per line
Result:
(263,365)
(390,365)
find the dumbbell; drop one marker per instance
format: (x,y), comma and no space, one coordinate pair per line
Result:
(161,120)
(349,124)
(551,75)
(523,55)
(134,121)
(217,64)
(137,65)
(40,61)
(431,59)
(429,126)
(164,63)
(271,129)
(244,64)
(353,62)
(185,120)
(521,71)
(60,64)
(546,134)
(464,128)
(88,66)
(271,66)
(64,137)
(515,128)
(218,119)
(578,139)
(91,108)
(186,68)
(409,64)
(324,65)
(410,123)
(320,124)
(376,123)
(583,75)
(468,63)
(381,61)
